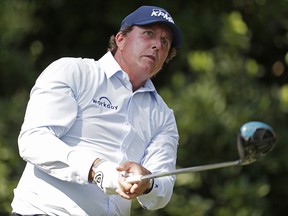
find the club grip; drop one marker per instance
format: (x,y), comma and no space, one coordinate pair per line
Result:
(134,178)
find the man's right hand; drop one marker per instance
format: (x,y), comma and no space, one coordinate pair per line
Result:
(132,190)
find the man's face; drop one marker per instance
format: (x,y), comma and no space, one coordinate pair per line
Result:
(143,50)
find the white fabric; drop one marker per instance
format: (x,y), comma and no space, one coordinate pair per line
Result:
(80,110)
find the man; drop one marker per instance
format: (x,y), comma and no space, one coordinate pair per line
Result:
(89,123)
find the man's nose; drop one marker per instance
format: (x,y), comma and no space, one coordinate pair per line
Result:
(156,43)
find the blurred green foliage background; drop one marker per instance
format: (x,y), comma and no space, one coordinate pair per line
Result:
(231,69)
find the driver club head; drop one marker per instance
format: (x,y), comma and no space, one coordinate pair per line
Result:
(255,140)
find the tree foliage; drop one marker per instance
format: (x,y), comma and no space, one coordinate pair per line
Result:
(231,69)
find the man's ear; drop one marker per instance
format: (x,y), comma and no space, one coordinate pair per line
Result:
(119,38)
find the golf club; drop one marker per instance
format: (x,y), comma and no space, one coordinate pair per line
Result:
(255,139)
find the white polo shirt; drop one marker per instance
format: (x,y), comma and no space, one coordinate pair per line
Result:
(80,110)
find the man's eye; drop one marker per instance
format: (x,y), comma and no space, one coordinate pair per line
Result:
(149,33)
(165,41)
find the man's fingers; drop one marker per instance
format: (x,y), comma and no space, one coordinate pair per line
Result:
(124,185)
(126,195)
(130,182)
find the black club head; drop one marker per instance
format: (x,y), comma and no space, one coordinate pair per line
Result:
(255,140)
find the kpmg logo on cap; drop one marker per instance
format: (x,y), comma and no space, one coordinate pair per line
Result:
(161,13)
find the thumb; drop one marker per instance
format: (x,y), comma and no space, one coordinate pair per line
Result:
(120,168)
(123,167)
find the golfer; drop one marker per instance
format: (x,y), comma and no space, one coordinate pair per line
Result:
(89,124)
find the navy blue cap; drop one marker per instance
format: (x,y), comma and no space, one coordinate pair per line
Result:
(146,15)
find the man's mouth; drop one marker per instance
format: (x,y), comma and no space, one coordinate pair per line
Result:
(153,58)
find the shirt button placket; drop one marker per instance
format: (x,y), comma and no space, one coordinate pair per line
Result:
(130,134)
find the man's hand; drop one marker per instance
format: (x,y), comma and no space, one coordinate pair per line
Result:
(105,176)
(132,190)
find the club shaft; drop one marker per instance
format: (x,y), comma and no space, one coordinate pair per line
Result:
(132,179)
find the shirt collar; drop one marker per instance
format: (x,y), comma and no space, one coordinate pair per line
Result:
(109,64)
(111,67)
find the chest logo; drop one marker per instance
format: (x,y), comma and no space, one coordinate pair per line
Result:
(104,102)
